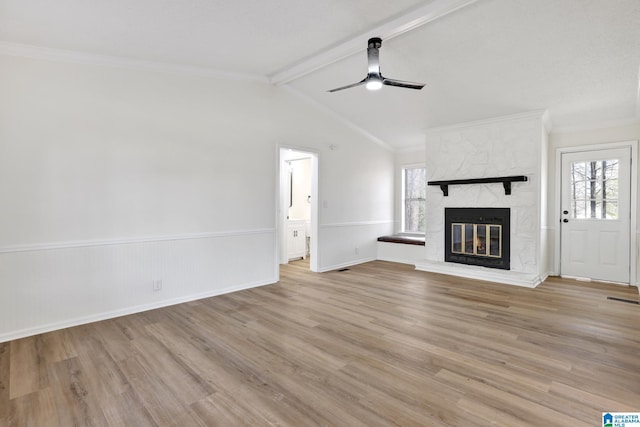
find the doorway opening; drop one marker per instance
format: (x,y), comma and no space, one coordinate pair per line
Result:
(297,206)
(596,212)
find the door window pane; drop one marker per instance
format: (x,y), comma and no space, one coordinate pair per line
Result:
(611,188)
(606,209)
(578,208)
(580,189)
(594,189)
(611,169)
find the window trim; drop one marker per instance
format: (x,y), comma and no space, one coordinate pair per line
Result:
(402,199)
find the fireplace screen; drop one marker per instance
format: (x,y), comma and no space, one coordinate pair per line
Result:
(478,236)
(476,239)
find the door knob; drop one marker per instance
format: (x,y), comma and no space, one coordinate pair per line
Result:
(565,220)
(565,212)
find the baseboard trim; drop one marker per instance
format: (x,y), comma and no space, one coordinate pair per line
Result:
(129,310)
(346,264)
(398,260)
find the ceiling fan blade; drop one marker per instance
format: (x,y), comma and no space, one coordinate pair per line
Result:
(400,83)
(361,82)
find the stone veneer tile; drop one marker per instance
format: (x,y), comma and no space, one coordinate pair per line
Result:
(495,149)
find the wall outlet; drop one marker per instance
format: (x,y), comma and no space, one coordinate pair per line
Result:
(157,285)
(357,250)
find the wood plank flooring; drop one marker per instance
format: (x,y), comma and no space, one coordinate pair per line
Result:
(377,345)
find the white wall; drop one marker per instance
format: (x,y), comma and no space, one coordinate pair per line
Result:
(513,145)
(627,132)
(112,178)
(356,204)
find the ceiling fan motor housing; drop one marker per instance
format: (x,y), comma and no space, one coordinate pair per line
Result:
(375,42)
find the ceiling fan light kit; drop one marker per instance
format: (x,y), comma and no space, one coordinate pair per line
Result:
(374,79)
(374,84)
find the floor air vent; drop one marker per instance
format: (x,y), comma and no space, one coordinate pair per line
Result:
(344,269)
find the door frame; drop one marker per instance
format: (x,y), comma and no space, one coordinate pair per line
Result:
(280,211)
(633,146)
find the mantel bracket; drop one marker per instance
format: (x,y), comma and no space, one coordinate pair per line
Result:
(507,187)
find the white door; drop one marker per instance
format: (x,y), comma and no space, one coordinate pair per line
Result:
(595,217)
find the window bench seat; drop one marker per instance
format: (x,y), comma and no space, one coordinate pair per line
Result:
(402,249)
(409,240)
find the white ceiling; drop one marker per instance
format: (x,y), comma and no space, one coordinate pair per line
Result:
(580,59)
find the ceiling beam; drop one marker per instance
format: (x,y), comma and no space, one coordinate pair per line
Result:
(392,28)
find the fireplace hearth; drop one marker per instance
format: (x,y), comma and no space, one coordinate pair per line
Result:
(478,236)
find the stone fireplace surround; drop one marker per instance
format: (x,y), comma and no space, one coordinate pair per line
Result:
(504,146)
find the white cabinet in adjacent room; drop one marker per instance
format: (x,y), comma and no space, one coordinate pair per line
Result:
(296,239)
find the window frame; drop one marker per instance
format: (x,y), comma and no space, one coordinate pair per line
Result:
(590,179)
(402,199)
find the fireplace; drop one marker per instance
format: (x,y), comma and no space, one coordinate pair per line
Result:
(477,236)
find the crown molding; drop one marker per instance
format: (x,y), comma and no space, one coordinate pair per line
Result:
(388,30)
(543,115)
(593,126)
(410,148)
(63,55)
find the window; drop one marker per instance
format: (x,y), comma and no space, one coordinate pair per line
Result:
(594,189)
(414,185)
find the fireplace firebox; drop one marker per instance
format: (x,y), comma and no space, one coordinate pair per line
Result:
(478,236)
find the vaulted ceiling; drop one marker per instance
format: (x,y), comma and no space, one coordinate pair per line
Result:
(580,59)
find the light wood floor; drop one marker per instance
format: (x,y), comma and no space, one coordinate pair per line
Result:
(377,345)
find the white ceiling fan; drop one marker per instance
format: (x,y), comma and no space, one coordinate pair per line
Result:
(375,80)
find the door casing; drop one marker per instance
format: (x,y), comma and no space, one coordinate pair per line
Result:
(633,279)
(281,209)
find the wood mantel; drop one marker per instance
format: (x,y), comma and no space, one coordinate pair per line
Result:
(505,180)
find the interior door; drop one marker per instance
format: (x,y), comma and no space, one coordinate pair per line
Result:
(595,217)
